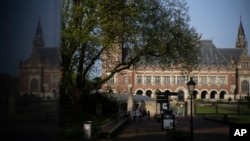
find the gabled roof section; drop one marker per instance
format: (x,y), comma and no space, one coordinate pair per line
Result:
(210,55)
(49,55)
(46,56)
(231,53)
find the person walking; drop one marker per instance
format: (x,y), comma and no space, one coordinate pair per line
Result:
(148,114)
(138,113)
(134,115)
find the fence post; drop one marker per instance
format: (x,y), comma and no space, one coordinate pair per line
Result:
(216,108)
(238,108)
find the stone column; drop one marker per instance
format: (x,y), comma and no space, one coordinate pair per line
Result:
(130,100)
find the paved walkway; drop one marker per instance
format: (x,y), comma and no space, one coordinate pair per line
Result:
(150,130)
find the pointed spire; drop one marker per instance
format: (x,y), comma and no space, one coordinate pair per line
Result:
(38,40)
(241,30)
(39,28)
(241,39)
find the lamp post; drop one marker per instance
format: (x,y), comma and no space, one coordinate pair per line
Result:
(191,85)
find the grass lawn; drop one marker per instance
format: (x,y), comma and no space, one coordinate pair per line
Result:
(221,109)
(205,110)
(240,119)
(224,109)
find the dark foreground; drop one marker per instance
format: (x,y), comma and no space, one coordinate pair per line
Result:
(140,130)
(150,130)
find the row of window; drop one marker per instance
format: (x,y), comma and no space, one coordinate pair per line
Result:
(181,80)
(245,64)
(245,86)
(157,80)
(34,82)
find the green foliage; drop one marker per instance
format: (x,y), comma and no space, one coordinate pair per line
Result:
(151,30)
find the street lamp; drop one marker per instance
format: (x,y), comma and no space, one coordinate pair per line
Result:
(191,85)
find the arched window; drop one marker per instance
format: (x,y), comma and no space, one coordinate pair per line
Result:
(212,95)
(34,85)
(244,86)
(180,95)
(139,92)
(203,94)
(195,94)
(222,94)
(149,93)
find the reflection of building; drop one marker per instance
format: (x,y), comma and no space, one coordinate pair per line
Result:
(40,73)
(223,73)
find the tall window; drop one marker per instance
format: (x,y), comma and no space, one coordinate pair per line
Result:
(34,85)
(204,80)
(54,79)
(173,79)
(139,79)
(111,80)
(125,80)
(223,80)
(180,80)
(148,80)
(166,79)
(245,86)
(157,79)
(245,64)
(213,79)
(195,79)
(180,95)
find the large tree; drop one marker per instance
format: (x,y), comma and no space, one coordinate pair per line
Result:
(149,29)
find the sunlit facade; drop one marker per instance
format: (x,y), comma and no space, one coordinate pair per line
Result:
(223,74)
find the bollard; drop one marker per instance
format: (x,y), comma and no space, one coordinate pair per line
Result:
(87,130)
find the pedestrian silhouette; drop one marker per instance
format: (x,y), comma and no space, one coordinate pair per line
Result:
(148,114)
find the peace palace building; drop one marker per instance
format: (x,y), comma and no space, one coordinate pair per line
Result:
(223,74)
(40,74)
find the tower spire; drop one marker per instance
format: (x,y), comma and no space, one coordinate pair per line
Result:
(241,29)
(241,39)
(38,39)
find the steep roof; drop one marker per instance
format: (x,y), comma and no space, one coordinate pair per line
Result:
(45,55)
(231,53)
(49,55)
(210,55)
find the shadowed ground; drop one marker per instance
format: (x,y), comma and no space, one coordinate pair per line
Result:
(150,130)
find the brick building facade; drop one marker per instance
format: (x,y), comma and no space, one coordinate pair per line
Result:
(223,73)
(40,73)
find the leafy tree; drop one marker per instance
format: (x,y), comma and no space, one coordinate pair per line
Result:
(147,30)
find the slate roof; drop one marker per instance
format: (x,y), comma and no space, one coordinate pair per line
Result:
(45,55)
(210,55)
(213,56)
(49,55)
(229,53)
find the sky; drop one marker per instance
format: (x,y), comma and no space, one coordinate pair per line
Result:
(216,20)
(19,19)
